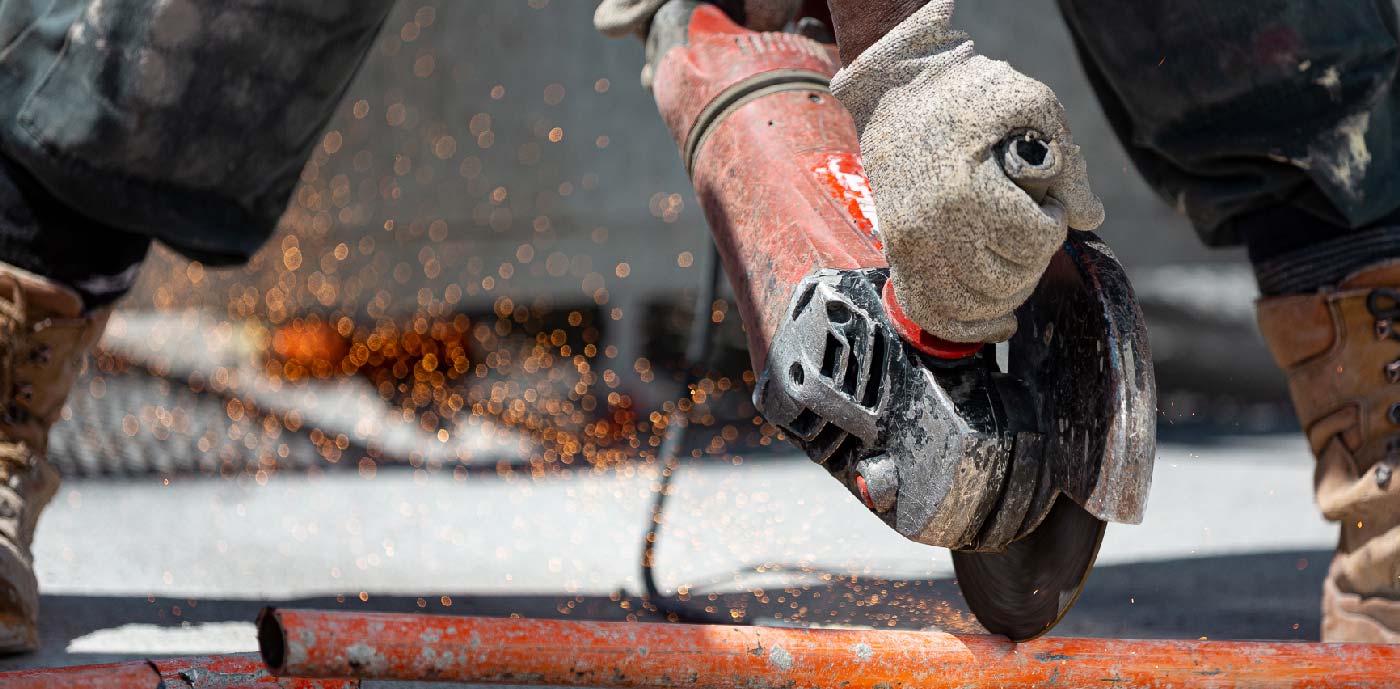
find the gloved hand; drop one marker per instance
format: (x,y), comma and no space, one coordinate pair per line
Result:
(966,245)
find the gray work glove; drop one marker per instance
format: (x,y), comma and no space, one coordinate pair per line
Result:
(966,245)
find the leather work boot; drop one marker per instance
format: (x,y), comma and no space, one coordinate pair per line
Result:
(1341,350)
(44,337)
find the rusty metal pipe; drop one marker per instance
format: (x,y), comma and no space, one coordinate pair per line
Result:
(648,655)
(137,675)
(214,672)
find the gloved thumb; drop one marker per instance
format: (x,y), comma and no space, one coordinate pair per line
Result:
(1071,188)
(1054,175)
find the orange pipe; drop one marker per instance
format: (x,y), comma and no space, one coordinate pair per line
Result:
(647,655)
(214,672)
(123,675)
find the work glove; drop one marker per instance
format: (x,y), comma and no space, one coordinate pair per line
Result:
(965,243)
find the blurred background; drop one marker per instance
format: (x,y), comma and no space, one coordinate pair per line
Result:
(487,273)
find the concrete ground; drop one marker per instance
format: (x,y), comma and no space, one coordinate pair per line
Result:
(1232,548)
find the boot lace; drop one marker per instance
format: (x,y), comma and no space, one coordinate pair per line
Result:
(1384,305)
(15,457)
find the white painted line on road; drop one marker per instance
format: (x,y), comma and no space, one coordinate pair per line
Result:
(187,639)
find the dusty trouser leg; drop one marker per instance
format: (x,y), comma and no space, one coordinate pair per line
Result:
(1268,123)
(186,122)
(1271,123)
(124,122)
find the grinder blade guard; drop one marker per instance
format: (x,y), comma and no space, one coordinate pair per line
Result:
(971,454)
(1016,466)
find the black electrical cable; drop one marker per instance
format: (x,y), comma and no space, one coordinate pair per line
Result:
(697,357)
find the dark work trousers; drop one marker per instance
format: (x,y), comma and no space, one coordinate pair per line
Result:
(122,122)
(1269,123)
(187,122)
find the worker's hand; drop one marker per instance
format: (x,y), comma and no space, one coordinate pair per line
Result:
(966,245)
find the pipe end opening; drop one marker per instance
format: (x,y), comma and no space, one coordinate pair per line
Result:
(272,643)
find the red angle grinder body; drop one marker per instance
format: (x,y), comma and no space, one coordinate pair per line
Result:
(1013,456)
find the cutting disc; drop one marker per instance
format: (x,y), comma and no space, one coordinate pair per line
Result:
(1023,592)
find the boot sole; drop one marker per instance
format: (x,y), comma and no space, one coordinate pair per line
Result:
(17,634)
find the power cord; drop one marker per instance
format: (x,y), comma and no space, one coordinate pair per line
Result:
(697,356)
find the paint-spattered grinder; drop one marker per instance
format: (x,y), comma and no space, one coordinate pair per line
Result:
(1013,456)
